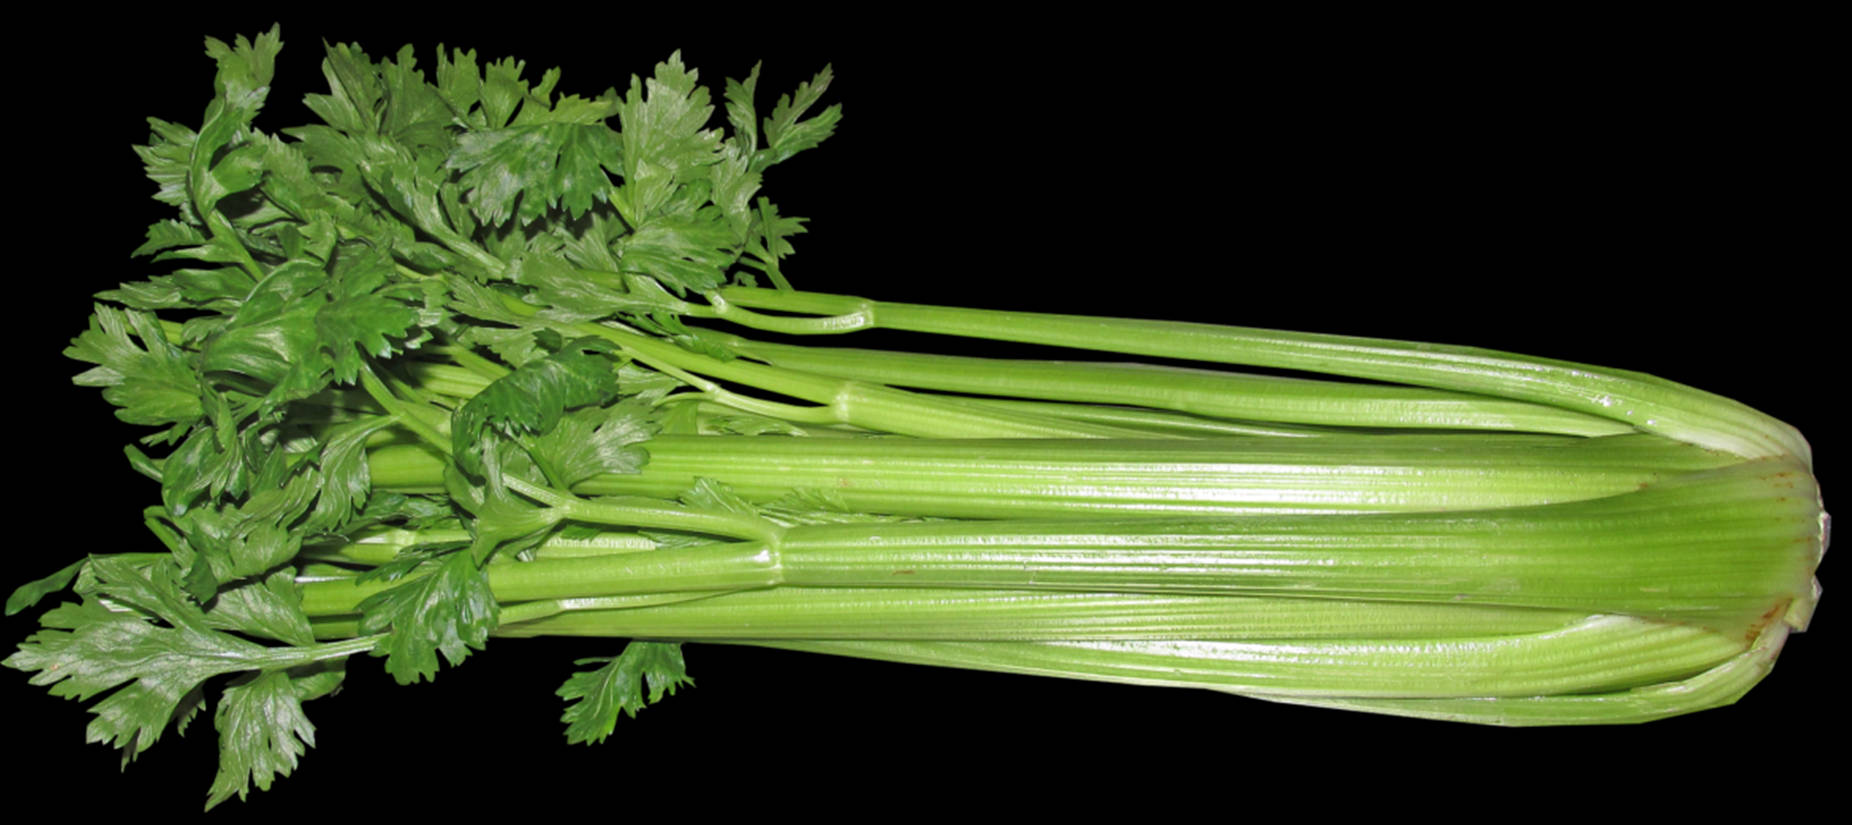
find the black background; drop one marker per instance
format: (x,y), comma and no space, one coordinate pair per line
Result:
(1638,194)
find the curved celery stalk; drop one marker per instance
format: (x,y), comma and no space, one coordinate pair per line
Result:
(1598,654)
(1505,701)
(1635,399)
(1719,686)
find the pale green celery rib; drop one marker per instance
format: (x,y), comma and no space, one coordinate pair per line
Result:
(454,381)
(976,478)
(1728,548)
(996,615)
(1226,476)
(1717,687)
(1723,547)
(1600,653)
(859,403)
(1162,423)
(1636,399)
(1195,391)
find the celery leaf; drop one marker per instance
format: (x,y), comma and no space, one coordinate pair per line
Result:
(449,610)
(534,397)
(593,441)
(29,594)
(595,698)
(150,382)
(262,729)
(788,132)
(262,734)
(117,640)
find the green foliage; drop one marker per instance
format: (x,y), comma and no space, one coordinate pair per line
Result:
(533,398)
(213,290)
(29,594)
(242,84)
(262,734)
(596,698)
(593,441)
(139,634)
(150,383)
(409,560)
(371,314)
(571,294)
(465,205)
(544,166)
(263,731)
(450,610)
(345,475)
(269,607)
(788,132)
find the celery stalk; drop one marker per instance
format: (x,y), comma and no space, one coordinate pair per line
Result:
(1598,654)
(1730,549)
(821,613)
(1638,400)
(977,478)
(1200,392)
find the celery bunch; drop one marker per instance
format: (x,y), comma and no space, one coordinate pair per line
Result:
(471,358)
